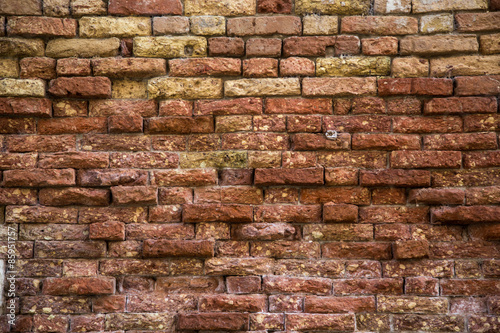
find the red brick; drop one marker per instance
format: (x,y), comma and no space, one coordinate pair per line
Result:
(74,196)
(388,196)
(472,22)
(481,159)
(39,177)
(415,86)
(380,46)
(243,284)
(35,107)
(16,196)
(260,67)
(364,159)
(263,47)
(17,161)
(264,231)
(348,195)
(368,105)
(70,249)
(307,46)
(134,195)
(347,45)
(233,303)
(274,6)
(110,107)
(309,141)
(385,142)
(425,159)
(285,303)
(380,25)
(466,215)
(320,322)
(295,66)
(483,195)
(73,67)
(81,87)
(236,106)
(40,214)
(318,304)
(75,160)
(225,46)
(43,68)
(422,286)
(154,7)
(159,231)
(144,160)
(470,287)
(384,286)
(214,213)
(340,213)
(400,214)
(51,323)
(352,124)
(70,108)
(254,141)
(446,124)
(299,106)
(125,124)
(179,125)
(107,231)
(178,248)
(303,124)
(205,67)
(186,177)
(402,178)
(31,7)
(70,126)
(463,250)
(87,323)
(406,105)
(466,141)
(285,213)
(79,286)
(339,86)
(411,249)
(264,25)
(213,321)
(41,26)
(351,250)
(459,105)
(281,195)
(490,232)
(129,67)
(341,176)
(437,196)
(264,321)
(175,195)
(282,284)
(191,284)
(477,85)
(307,176)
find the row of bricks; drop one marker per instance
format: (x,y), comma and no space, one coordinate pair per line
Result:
(103,27)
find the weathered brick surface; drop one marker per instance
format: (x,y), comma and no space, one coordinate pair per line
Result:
(165,168)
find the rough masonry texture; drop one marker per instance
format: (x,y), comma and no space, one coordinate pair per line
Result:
(165,166)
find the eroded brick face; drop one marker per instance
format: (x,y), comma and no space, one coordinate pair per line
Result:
(165,166)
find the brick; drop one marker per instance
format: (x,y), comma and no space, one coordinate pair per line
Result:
(347,45)
(320,25)
(380,25)
(260,67)
(43,68)
(490,44)
(114,142)
(74,196)
(77,160)
(458,105)
(410,67)
(188,88)
(419,125)
(257,87)
(22,87)
(472,22)
(380,46)
(78,286)
(107,231)
(263,47)
(288,303)
(415,86)
(68,126)
(215,212)
(171,47)
(317,304)
(397,304)
(465,65)
(14,196)
(51,323)
(422,286)
(179,125)
(281,284)
(465,177)
(208,25)
(339,86)
(70,249)
(70,108)
(295,66)
(139,321)
(225,46)
(155,7)
(109,107)
(129,67)
(39,177)
(224,8)
(213,321)
(126,88)
(31,7)
(411,249)
(84,48)
(127,195)
(307,176)
(387,7)
(437,196)
(85,87)
(229,106)
(205,67)
(480,159)
(436,23)
(274,6)
(193,177)
(337,232)
(340,213)
(21,47)
(439,44)
(9,68)
(385,142)
(182,285)
(425,159)
(238,266)
(264,25)
(38,107)
(41,26)
(232,303)
(88,7)
(174,195)
(166,25)
(56,7)
(358,123)
(374,251)
(331,322)
(400,214)
(483,323)
(482,195)
(402,178)
(353,66)
(465,215)
(298,106)
(73,67)
(318,7)
(407,105)
(173,248)
(27,214)
(470,287)
(125,124)
(308,46)
(463,250)
(422,6)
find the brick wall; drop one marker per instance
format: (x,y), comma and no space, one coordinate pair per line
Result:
(166,167)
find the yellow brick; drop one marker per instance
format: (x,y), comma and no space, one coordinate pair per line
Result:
(170,47)
(84,48)
(344,7)
(430,24)
(353,66)
(221,159)
(465,65)
(129,89)
(219,7)
(21,88)
(262,87)
(23,47)
(426,6)
(100,27)
(410,67)
(208,25)
(9,68)
(189,88)
(320,25)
